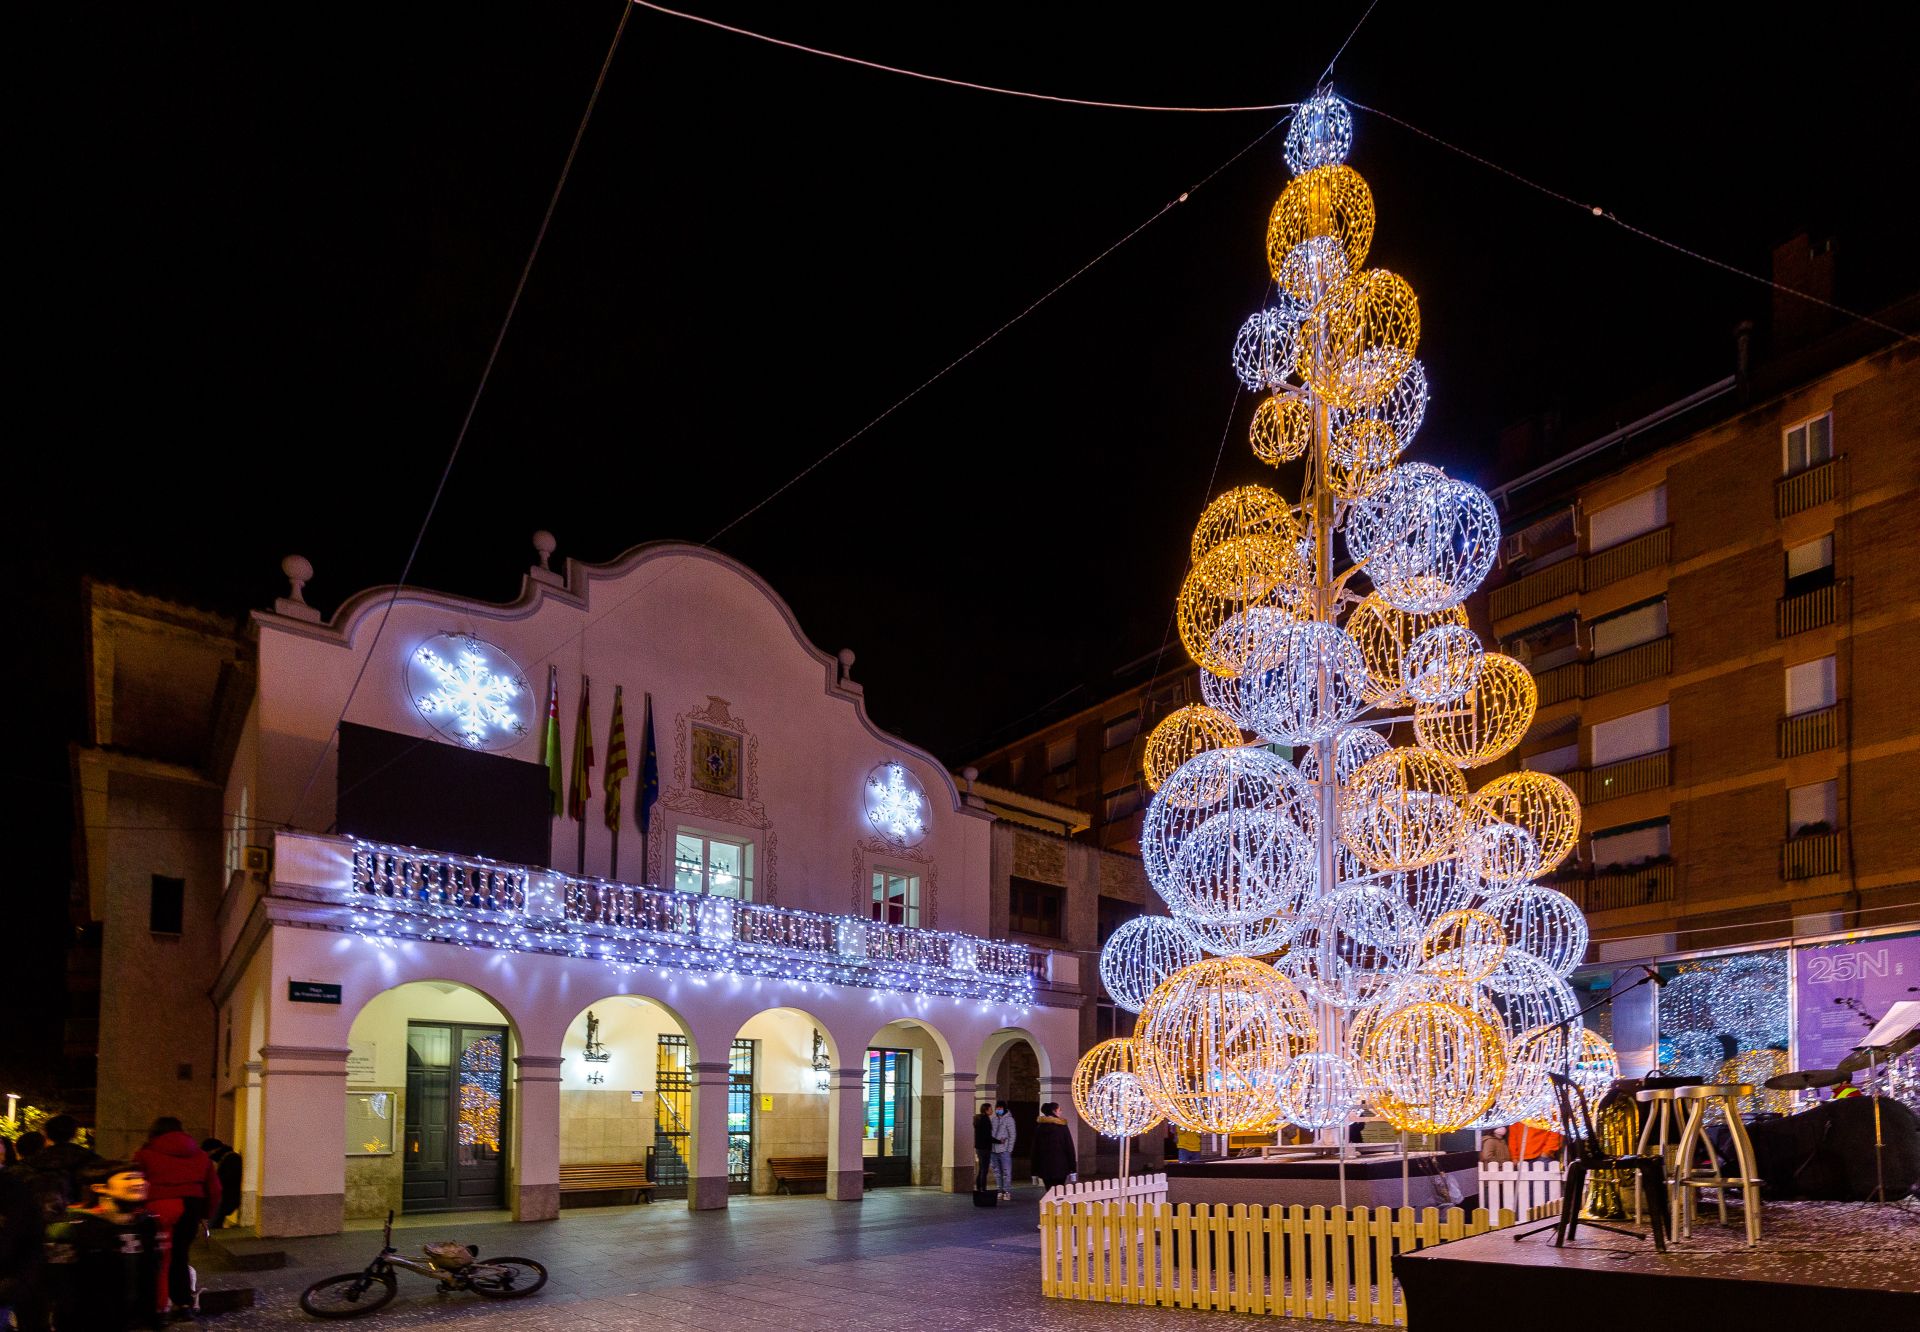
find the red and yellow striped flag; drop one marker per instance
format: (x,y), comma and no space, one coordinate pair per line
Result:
(616,762)
(582,760)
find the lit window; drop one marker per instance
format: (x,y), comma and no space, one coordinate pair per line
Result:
(1809,444)
(1645,512)
(1810,566)
(1813,809)
(896,897)
(1810,686)
(714,866)
(1630,736)
(1630,627)
(1629,845)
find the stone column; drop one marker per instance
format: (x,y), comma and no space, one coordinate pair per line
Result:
(246,1137)
(707,1181)
(958,1164)
(536,1137)
(846,1132)
(303,1130)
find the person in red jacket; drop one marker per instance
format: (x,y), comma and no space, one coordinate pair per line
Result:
(183,1190)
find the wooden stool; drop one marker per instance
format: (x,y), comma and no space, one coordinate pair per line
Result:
(1687,1183)
(1659,1135)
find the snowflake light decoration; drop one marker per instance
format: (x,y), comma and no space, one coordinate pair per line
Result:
(466,688)
(896,806)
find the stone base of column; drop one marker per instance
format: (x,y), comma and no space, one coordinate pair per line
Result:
(960,1179)
(847,1185)
(705,1193)
(537,1202)
(283,1215)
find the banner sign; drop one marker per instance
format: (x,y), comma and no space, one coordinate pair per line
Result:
(1843,989)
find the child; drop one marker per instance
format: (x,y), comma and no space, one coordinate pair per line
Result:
(103,1256)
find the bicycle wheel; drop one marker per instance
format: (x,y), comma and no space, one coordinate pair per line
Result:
(348,1295)
(506,1278)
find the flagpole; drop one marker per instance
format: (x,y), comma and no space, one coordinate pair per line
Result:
(585,735)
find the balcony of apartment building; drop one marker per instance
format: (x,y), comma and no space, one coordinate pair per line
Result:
(1574,659)
(1815,844)
(1813,474)
(394,894)
(1624,540)
(1628,865)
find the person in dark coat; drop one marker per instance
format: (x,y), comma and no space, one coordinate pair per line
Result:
(227,1165)
(183,1186)
(982,1145)
(64,1157)
(1052,1152)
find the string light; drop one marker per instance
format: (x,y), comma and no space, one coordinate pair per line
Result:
(1141,954)
(1486,720)
(1401,809)
(1321,134)
(1539,805)
(1433,1067)
(1282,428)
(1212,1040)
(1263,353)
(1181,735)
(1330,201)
(1385,634)
(1319,1090)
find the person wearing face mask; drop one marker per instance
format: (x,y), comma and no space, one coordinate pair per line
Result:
(103,1257)
(1003,1149)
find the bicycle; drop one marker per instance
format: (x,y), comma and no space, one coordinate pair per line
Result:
(454,1266)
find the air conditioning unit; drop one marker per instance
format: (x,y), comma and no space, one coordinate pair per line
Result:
(257,860)
(1513,546)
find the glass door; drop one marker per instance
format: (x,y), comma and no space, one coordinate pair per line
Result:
(456,1118)
(740,1118)
(888,1144)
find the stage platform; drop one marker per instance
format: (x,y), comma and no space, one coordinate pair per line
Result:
(1846,1265)
(1373,1180)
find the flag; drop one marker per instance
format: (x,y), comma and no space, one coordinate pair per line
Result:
(582,760)
(616,762)
(649,767)
(556,800)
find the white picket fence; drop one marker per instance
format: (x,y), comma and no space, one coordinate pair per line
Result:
(1520,1186)
(1141,1190)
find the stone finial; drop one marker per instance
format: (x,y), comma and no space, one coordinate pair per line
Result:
(972,775)
(846,671)
(544,545)
(299,572)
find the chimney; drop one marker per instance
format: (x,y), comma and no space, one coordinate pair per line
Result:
(1805,266)
(1742,350)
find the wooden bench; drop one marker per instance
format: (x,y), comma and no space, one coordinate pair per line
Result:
(791,1170)
(606,1177)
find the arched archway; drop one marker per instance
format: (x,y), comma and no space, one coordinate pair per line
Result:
(626,1099)
(781,1077)
(1014,1068)
(905,1106)
(430,1101)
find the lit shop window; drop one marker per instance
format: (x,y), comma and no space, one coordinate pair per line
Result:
(715,866)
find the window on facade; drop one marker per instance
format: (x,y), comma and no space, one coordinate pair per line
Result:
(1810,686)
(1630,736)
(1121,730)
(1111,1020)
(1810,566)
(1034,907)
(1541,647)
(896,897)
(1119,804)
(1630,628)
(1809,444)
(166,905)
(1645,512)
(1061,753)
(714,866)
(1814,808)
(1630,844)
(1564,759)
(1115,912)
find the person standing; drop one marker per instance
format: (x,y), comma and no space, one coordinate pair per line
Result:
(63,1157)
(184,1188)
(1003,1134)
(227,1164)
(1053,1155)
(103,1259)
(982,1145)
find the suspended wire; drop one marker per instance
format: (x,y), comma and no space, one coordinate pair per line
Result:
(952,83)
(473,404)
(1328,71)
(1599,211)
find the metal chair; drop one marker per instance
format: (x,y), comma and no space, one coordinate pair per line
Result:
(1586,1156)
(1687,1181)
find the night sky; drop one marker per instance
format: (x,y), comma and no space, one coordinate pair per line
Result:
(264,250)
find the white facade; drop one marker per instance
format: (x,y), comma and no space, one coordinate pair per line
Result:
(412,934)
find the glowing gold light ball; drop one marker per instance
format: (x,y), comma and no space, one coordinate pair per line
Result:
(1361,455)
(1539,804)
(1486,722)
(1464,947)
(1282,429)
(1114,1056)
(1245,511)
(1433,1067)
(1357,353)
(1213,1039)
(1183,733)
(1237,574)
(1384,634)
(1402,809)
(1594,1069)
(1326,201)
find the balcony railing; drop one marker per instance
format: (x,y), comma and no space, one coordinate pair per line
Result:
(1646,772)
(1810,855)
(1621,888)
(1629,666)
(1809,610)
(1645,552)
(1803,490)
(1556,580)
(1561,683)
(1805,732)
(403,892)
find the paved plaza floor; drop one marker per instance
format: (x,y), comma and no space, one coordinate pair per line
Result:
(900,1259)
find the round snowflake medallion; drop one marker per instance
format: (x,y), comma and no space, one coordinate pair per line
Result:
(896,806)
(469,691)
